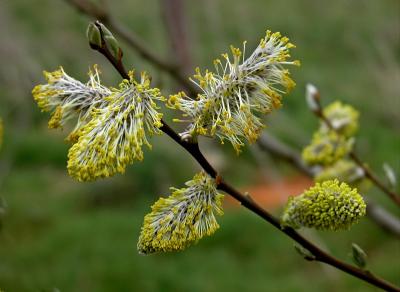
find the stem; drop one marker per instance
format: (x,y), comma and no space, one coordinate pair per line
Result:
(194,150)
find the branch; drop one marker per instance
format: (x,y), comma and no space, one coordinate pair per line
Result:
(194,150)
(379,215)
(95,12)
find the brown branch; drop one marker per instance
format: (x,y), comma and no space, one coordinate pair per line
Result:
(379,215)
(367,171)
(321,256)
(97,13)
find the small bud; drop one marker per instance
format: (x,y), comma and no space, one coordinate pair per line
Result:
(188,137)
(390,174)
(359,256)
(93,34)
(312,98)
(305,253)
(112,43)
(104,29)
(110,40)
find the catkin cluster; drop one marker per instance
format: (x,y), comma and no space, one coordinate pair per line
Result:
(331,145)
(113,125)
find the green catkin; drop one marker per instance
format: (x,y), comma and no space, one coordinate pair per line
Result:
(326,148)
(342,117)
(327,206)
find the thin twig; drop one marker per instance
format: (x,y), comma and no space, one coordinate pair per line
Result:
(321,256)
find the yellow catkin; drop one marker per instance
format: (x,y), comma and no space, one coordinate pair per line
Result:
(65,97)
(326,206)
(344,118)
(326,148)
(115,135)
(239,92)
(344,170)
(183,218)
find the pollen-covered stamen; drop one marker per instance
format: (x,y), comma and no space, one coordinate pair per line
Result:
(183,218)
(67,97)
(233,98)
(116,133)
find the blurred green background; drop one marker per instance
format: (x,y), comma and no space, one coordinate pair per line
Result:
(57,233)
